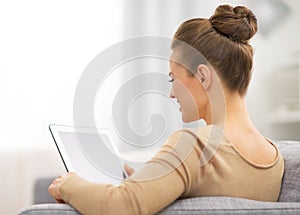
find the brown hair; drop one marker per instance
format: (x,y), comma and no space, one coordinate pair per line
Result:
(223,40)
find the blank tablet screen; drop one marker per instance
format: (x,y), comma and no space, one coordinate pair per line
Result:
(90,155)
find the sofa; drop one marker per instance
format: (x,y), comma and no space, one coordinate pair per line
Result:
(288,202)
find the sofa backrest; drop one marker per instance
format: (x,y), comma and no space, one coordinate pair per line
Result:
(290,188)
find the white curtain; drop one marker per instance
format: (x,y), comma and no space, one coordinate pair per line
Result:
(19,170)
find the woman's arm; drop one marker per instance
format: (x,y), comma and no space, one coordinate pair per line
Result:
(165,178)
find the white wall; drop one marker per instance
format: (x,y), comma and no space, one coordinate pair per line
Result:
(45,46)
(274,52)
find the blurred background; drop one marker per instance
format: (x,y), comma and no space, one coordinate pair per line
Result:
(46,45)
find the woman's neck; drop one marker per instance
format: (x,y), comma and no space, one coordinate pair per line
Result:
(237,115)
(230,112)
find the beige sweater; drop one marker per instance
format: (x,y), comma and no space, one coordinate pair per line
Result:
(191,163)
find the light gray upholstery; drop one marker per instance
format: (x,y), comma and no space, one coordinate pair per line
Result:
(228,205)
(49,209)
(290,187)
(40,191)
(289,200)
(201,205)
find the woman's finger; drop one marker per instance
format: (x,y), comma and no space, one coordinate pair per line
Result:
(129,171)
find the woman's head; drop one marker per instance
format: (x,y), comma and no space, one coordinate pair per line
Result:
(223,41)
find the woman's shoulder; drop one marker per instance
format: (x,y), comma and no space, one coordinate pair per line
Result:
(197,130)
(208,133)
(205,135)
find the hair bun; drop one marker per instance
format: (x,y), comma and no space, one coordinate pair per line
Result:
(238,24)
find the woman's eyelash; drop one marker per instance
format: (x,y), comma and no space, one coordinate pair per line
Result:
(171,80)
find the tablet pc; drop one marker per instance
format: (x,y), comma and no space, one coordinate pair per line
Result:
(89,152)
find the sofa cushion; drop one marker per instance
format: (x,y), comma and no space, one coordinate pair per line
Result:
(290,187)
(41,194)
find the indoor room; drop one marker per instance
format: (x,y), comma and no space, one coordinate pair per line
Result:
(71,63)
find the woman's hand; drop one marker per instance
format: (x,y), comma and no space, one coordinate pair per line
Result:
(54,188)
(129,171)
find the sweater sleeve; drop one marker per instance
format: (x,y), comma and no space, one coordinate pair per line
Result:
(166,177)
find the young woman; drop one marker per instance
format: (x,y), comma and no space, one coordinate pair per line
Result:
(228,157)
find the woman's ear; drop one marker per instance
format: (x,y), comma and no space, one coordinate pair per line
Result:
(204,75)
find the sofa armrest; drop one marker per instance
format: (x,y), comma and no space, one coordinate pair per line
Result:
(49,209)
(200,205)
